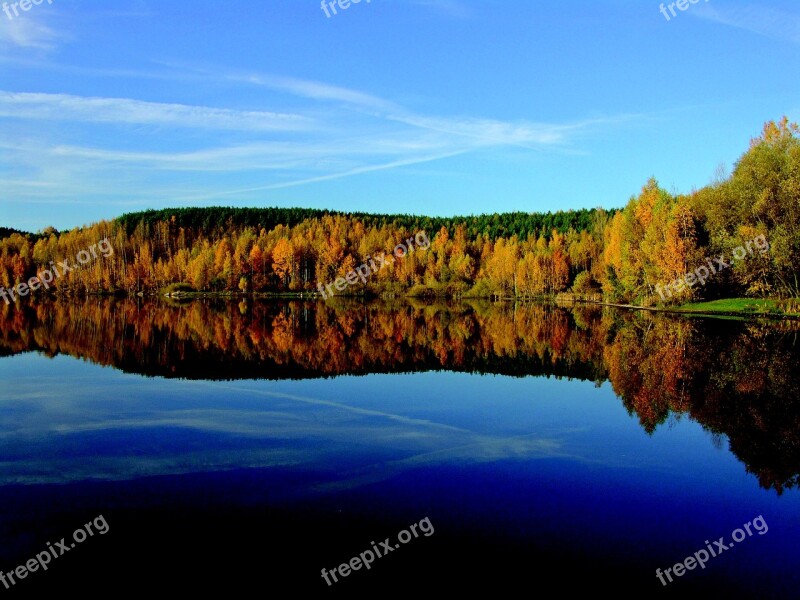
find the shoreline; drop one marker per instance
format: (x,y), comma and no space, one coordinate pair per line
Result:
(704,309)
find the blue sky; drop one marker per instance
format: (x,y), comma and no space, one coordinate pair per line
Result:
(439,107)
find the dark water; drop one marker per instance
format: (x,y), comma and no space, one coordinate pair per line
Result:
(233,447)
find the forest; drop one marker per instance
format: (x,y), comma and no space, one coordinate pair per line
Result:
(620,255)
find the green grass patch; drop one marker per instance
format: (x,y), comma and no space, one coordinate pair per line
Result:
(749,306)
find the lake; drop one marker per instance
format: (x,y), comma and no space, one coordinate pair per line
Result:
(239,445)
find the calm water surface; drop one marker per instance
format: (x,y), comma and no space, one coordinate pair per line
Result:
(239,446)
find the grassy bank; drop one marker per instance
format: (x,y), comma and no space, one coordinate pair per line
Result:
(771,307)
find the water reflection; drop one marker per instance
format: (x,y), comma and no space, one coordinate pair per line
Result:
(738,379)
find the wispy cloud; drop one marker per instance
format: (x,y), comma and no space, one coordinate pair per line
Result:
(266,429)
(332,132)
(27,32)
(303,88)
(317,91)
(488,132)
(124,110)
(770,22)
(358,171)
(260,156)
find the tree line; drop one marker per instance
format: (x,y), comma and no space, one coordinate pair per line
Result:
(623,254)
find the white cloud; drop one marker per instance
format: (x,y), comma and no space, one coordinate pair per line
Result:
(25,31)
(770,22)
(357,171)
(224,152)
(488,132)
(64,107)
(317,91)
